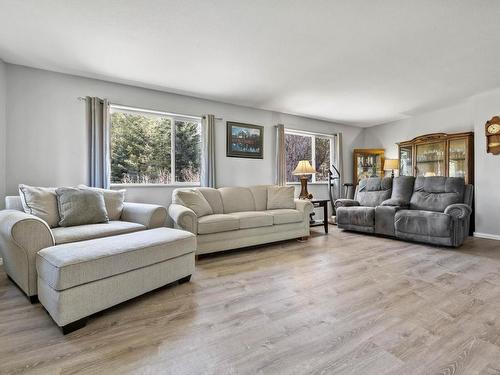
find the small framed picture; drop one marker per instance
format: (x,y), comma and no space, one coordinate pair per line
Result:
(244,140)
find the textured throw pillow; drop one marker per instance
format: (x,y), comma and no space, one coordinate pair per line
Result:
(195,201)
(280,197)
(80,207)
(40,202)
(113,200)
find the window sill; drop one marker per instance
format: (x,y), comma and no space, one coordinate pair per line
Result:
(176,185)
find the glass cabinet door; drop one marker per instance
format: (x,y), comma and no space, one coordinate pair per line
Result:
(368,165)
(405,162)
(431,159)
(457,164)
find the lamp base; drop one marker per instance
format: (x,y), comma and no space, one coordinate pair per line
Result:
(304,194)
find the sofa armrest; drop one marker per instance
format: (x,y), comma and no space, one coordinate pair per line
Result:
(304,205)
(345,203)
(458,211)
(149,215)
(183,217)
(395,202)
(21,237)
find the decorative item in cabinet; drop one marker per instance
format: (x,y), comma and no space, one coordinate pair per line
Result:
(439,154)
(405,161)
(368,162)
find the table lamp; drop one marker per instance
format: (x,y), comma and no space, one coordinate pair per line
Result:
(304,169)
(391,165)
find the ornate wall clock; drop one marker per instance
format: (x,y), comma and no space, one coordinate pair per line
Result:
(493,136)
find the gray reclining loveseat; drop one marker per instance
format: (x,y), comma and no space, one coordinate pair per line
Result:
(434,210)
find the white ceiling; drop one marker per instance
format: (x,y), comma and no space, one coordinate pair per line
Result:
(360,62)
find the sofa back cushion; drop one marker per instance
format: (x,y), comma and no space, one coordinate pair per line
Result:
(194,200)
(259,193)
(237,199)
(402,189)
(436,193)
(280,197)
(373,191)
(213,198)
(40,202)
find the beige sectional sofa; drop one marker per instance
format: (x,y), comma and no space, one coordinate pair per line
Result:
(240,217)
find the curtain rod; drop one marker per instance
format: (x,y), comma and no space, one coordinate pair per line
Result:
(137,109)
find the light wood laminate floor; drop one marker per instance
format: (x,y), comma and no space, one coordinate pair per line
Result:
(342,303)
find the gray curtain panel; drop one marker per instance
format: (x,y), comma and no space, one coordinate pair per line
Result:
(280,155)
(98,120)
(339,163)
(208,151)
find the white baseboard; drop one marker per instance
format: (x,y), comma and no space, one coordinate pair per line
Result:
(487,235)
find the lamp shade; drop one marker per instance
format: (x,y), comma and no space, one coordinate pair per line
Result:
(391,164)
(304,167)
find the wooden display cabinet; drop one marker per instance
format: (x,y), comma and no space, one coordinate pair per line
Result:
(438,154)
(368,162)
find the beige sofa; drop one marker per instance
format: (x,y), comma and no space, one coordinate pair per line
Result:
(240,218)
(23,235)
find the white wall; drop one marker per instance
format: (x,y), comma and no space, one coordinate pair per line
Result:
(47,136)
(3,127)
(486,167)
(468,115)
(453,119)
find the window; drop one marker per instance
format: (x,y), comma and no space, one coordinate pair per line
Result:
(154,147)
(318,149)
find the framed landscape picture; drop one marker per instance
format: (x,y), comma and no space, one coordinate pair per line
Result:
(244,140)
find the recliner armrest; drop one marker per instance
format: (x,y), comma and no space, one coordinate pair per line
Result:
(183,217)
(458,210)
(149,215)
(343,202)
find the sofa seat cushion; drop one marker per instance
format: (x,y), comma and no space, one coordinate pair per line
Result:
(90,231)
(286,216)
(69,265)
(357,216)
(253,219)
(423,223)
(217,223)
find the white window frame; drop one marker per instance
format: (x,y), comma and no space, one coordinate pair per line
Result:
(172,117)
(313,135)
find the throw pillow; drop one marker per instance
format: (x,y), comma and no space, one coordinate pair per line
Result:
(80,207)
(40,202)
(113,200)
(195,201)
(280,197)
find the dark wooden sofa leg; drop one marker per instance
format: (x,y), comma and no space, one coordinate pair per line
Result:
(68,328)
(33,299)
(185,279)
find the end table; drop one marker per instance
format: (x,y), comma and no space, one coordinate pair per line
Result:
(320,203)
